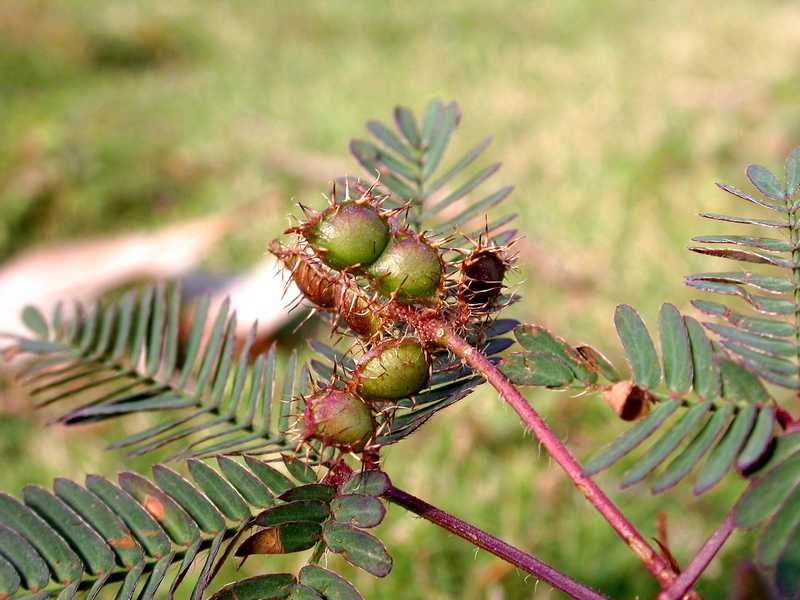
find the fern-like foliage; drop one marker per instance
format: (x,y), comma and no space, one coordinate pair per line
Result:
(407,160)
(767,343)
(694,400)
(84,538)
(122,358)
(88,537)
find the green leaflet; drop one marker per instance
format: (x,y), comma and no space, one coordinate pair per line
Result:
(298,510)
(102,519)
(766,344)
(9,578)
(765,182)
(705,369)
(778,532)
(94,552)
(787,570)
(689,457)
(147,531)
(358,548)
(35,321)
(63,562)
(666,444)
(299,469)
(407,123)
(219,491)
(25,559)
(757,325)
(595,358)
(303,592)
(792,172)
(260,587)
(249,486)
(766,494)
(328,583)
(537,339)
(629,440)
(286,538)
(371,483)
(675,350)
(276,481)
(531,368)
(724,454)
(359,510)
(759,439)
(310,491)
(177,524)
(740,384)
(205,514)
(638,345)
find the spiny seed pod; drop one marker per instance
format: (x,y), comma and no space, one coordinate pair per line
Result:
(357,311)
(482,274)
(338,418)
(348,234)
(411,268)
(328,290)
(392,370)
(317,284)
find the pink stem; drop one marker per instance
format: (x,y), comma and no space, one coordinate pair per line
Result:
(488,542)
(444,335)
(700,562)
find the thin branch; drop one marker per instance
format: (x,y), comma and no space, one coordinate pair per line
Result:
(491,544)
(444,335)
(700,562)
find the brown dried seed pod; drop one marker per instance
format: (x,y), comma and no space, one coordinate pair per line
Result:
(316,283)
(482,275)
(627,400)
(334,292)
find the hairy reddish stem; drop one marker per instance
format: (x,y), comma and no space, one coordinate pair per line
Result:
(488,542)
(700,562)
(441,333)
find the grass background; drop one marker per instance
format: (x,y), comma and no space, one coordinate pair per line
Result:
(612,118)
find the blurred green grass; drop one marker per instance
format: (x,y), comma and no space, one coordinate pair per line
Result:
(613,119)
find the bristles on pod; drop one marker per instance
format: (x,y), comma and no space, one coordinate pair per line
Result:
(338,418)
(346,235)
(328,290)
(482,275)
(392,370)
(410,270)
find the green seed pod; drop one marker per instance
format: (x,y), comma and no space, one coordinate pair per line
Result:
(348,234)
(338,418)
(411,267)
(393,370)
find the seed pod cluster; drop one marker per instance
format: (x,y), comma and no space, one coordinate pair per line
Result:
(347,418)
(360,237)
(361,262)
